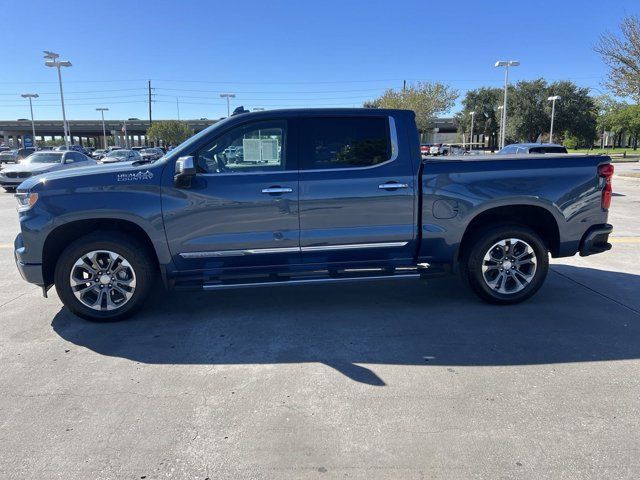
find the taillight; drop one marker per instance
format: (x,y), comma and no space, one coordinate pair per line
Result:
(606,172)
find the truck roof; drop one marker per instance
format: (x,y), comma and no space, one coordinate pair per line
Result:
(329,111)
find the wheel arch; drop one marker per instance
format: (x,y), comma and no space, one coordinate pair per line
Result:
(537,218)
(63,235)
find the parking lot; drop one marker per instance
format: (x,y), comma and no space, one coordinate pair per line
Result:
(394,380)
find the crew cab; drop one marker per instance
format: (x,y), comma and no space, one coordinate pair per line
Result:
(327,195)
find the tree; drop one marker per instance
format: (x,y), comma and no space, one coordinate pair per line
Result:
(426,99)
(527,116)
(627,120)
(529,112)
(169,132)
(607,108)
(576,112)
(622,55)
(484,101)
(570,141)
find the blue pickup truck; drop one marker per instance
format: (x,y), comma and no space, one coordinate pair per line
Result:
(327,195)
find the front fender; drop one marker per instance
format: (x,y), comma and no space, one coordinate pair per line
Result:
(94,197)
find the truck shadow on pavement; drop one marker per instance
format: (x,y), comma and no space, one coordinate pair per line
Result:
(351,328)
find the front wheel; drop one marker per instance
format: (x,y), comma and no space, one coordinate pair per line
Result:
(506,264)
(104,276)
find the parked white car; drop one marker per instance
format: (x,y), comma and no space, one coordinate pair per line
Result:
(39,163)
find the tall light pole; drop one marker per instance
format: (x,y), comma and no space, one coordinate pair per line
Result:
(52,61)
(500,108)
(473,116)
(104,129)
(552,99)
(228,96)
(33,125)
(506,64)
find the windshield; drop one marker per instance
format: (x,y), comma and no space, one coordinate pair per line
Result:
(119,154)
(45,157)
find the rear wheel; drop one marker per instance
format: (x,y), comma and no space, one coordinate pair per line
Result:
(104,276)
(506,264)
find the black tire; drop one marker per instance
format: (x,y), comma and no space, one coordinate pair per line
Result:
(130,249)
(9,189)
(479,247)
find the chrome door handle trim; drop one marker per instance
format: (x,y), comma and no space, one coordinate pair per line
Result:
(392,186)
(277,190)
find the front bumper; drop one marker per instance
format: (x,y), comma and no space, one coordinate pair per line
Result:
(596,240)
(31,272)
(11,182)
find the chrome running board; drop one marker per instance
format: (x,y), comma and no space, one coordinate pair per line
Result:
(306,281)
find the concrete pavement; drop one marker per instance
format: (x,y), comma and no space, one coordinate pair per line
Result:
(393,380)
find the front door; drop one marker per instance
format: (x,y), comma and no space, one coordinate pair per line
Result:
(356,193)
(242,207)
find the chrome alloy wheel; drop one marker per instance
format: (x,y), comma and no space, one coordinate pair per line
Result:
(102,280)
(509,266)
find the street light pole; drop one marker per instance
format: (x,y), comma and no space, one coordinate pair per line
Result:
(33,124)
(52,61)
(228,96)
(506,64)
(552,99)
(500,108)
(473,116)
(104,129)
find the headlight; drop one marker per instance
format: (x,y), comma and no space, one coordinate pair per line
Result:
(26,201)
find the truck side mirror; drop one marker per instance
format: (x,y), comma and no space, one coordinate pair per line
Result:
(184,172)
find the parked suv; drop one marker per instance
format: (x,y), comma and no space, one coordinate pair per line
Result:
(531,148)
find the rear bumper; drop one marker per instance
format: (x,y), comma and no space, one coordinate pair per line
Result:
(596,240)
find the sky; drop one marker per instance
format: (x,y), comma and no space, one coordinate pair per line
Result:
(278,54)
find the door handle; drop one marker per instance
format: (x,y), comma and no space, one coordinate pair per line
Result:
(392,185)
(272,190)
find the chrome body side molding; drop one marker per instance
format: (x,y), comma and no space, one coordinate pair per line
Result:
(318,248)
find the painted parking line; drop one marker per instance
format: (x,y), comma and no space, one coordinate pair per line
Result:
(6,245)
(624,239)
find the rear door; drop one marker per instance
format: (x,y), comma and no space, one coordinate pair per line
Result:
(356,192)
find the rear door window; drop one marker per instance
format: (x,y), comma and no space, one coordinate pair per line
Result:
(343,142)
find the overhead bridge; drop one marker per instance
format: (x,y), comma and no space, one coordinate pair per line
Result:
(85,132)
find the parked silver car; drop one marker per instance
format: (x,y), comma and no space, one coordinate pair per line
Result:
(39,163)
(9,156)
(98,154)
(121,156)
(151,153)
